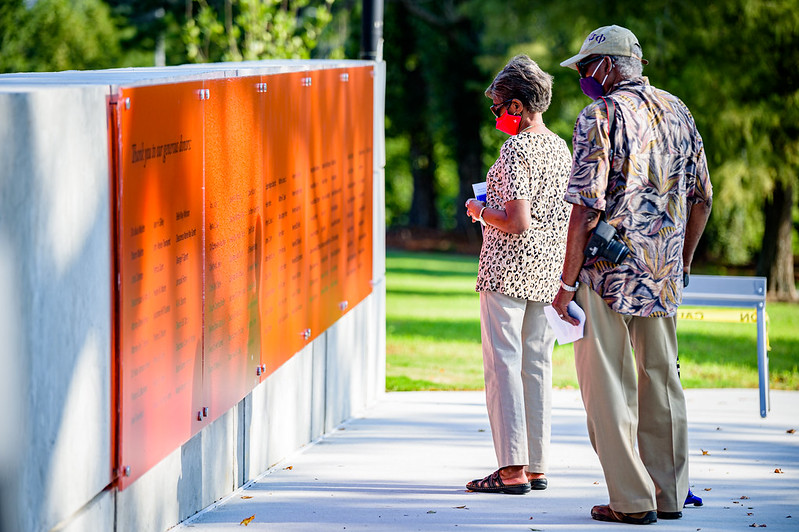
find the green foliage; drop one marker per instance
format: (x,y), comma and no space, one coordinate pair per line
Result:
(54,35)
(249,30)
(433,335)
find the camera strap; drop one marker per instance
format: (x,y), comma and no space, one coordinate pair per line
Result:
(611,112)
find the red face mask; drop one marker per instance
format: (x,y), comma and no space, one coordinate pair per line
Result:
(508,123)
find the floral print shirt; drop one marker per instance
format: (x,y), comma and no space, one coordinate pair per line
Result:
(535,167)
(644,174)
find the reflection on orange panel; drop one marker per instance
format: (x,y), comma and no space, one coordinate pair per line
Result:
(286,169)
(233,195)
(160,238)
(325,197)
(356,259)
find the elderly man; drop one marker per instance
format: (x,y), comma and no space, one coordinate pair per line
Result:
(641,197)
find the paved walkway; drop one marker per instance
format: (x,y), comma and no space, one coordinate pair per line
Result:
(403,466)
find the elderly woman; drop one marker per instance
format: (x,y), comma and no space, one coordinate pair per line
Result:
(524,241)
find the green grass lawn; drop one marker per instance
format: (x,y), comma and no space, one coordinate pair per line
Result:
(433,335)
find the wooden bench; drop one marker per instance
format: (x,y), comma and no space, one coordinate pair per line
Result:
(736,292)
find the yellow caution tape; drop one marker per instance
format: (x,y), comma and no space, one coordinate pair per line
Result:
(722,315)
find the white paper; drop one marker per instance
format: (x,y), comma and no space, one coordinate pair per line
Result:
(480,193)
(566,333)
(479,190)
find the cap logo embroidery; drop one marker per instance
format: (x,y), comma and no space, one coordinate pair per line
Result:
(599,38)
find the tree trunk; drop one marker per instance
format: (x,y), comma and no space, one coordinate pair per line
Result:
(776,254)
(470,102)
(423,211)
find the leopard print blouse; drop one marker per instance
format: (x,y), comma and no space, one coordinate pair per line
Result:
(535,167)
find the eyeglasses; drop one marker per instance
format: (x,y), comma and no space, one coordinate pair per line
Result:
(583,65)
(498,107)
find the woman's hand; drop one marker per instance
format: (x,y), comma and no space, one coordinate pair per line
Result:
(473,208)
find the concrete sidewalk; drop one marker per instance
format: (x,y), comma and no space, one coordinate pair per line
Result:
(403,466)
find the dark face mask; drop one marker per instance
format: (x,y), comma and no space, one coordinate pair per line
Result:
(591,87)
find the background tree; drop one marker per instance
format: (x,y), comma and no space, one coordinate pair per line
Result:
(54,35)
(248,30)
(435,102)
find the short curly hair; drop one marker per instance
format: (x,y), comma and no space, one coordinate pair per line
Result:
(524,80)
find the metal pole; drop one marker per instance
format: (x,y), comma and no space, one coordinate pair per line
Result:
(762,360)
(372,30)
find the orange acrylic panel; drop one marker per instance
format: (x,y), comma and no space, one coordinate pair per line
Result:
(160,237)
(286,169)
(324,224)
(233,197)
(356,259)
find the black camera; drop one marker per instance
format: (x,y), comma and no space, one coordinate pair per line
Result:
(603,243)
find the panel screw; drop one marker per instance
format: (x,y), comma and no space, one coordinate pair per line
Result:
(205,411)
(258,371)
(127,471)
(199,415)
(127,103)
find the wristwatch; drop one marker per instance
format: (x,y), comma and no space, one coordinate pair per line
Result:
(569,288)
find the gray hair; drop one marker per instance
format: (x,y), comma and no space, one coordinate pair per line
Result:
(629,67)
(524,80)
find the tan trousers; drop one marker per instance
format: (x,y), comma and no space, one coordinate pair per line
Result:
(517,363)
(621,411)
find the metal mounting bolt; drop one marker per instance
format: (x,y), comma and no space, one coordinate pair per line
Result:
(199,415)
(205,411)
(127,103)
(127,471)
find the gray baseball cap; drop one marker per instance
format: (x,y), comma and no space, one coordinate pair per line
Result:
(607,40)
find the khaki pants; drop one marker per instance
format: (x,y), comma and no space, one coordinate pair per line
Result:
(621,410)
(517,362)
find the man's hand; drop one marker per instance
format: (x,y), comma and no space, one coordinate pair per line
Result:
(561,306)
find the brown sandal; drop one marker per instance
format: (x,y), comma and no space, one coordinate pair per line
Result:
(493,484)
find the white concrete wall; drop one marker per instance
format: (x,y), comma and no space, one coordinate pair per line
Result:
(55,223)
(56,355)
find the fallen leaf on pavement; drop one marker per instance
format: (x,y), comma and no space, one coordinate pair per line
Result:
(246,496)
(743,497)
(460,507)
(708,489)
(778,470)
(247,521)
(704,452)
(790,431)
(431,511)
(288,468)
